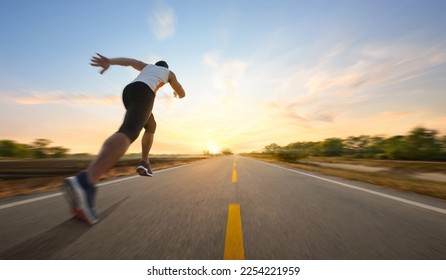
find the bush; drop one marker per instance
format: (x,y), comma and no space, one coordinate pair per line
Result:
(289,155)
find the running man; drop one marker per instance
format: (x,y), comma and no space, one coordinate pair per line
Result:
(138,98)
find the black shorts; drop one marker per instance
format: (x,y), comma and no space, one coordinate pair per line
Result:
(138,100)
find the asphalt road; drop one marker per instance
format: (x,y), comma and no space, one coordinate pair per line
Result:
(183,213)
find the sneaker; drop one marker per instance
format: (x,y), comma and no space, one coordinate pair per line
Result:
(143,169)
(80,198)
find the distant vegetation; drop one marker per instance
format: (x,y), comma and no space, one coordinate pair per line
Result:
(419,144)
(40,148)
(225,152)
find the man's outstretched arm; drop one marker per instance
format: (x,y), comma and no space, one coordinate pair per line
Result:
(179,91)
(105,62)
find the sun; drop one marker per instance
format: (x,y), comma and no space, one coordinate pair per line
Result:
(214,148)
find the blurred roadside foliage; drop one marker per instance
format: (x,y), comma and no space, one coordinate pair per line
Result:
(419,144)
(40,148)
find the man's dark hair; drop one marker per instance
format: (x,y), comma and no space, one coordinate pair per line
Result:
(162,63)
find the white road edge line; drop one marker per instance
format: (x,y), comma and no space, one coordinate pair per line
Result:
(410,202)
(26,201)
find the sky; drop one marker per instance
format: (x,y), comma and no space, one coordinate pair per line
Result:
(255,72)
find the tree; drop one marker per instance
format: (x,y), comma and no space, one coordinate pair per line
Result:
(422,144)
(443,147)
(9,148)
(314,149)
(394,147)
(375,149)
(272,148)
(57,152)
(419,144)
(332,147)
(40,148)
(227,152)
(363,146)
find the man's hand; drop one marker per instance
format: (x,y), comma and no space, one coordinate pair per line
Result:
(100,61)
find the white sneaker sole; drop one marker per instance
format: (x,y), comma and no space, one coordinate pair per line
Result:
(143,171)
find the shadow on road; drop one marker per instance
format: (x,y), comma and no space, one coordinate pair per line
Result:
(53,240)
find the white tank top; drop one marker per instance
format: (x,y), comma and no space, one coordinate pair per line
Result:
(154,76)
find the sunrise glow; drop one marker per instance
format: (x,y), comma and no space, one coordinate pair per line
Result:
(313,70)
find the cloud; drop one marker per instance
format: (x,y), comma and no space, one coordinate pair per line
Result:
(347,69)
(397,61)
(63,98)
(337,90)
(163,22)
(302,113)
(313,89)
(210,59)
(226,75)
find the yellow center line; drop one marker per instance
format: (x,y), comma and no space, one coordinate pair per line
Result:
(234,176)
(234,236)
(234,173)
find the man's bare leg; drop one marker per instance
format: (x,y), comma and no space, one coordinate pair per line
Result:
(112,150)
(146,145)
(80,191)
